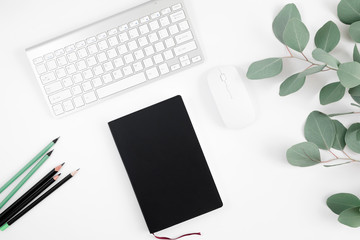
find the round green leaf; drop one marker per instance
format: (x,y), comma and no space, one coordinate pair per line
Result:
(296,35)
(266,68)
(354,31)
(356,54)
(292,84)
(322,56)
(288,12)
(350,217)
(303,155)
(349,11)
(349,74)
(352,137)
(355,93)
(339,142)
(320,129)
(332,92)
(327,37)
(342,201)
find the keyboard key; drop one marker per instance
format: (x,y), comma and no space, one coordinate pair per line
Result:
(143,41)
(184,25)
(117,75)
(153,37)
(70,48)
(70,69)
(41,69)
(62,61)
(60,73)
(173,29)
(67,82)
(123,28)
(123,37)
(152,73)
(118,62)
(154,25)
(81,65)
(145,19)
(132,45)
(108,66)
(88,74)
(77,78)
(92,49)
(144,29)
(158,59)
(175,67)
(163,68)
(169,42)
(79,102)
(165,11)
(72,57)
(97,82)
(176,7)
(86,86)
(38,60)
(196,59)
(127,70)
(82,53)
(51,65)
(168,55)
(122,49)
(49,77)
(68,106)
(138,66)
(134,23)
(149,50)
(139,54)
(183,58)
(111,53)
(183,37)
(80,44)
(102,35)
(59,52)
(163,33)
(187,47)
(91,40)
(112,31)
(101,57)
(76,90)
(129,58)
(175,17)
(49,56)
(164,21)
(133,33)
(53,87)
(155,15)
(185,63)
(103,45)
(90,97)
(121,85)
(159,46)
(91,61)
(113,41)
(148,62)
(98,70)
(58,109)
(60,96)
(107,77)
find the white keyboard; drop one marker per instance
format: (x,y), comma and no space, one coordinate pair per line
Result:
(131,48)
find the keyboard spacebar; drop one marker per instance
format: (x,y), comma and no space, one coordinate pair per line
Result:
(121,85)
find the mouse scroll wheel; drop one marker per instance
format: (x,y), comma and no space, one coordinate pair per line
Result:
(223,77)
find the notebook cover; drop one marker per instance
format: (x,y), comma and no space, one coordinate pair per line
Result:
(165,164)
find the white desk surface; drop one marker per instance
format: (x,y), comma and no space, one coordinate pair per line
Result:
(264,197)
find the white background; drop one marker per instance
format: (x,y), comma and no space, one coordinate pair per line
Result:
(264,197)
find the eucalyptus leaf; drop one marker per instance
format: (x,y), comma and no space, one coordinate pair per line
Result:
(339,142)
(296,35)
(356,54)
(350,217)
(349,11)
(342,201)
(354,31)
(355,93)
(349,74)
(313,70)
(288,12)
(322,56)
(352,137)
(303,155)
(327,37)
(292,84)
(332,92)
(266,68)
(320,129)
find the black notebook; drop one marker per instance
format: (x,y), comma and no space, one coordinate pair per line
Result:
(165,164)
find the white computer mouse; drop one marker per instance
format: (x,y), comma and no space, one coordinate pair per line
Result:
(231,97)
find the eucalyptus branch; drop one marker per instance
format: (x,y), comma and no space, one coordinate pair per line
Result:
(341,114)
(356,105)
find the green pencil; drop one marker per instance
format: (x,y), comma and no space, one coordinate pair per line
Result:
(29,164)
(32,171)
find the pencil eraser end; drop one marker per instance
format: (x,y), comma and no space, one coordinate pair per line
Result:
(3,227)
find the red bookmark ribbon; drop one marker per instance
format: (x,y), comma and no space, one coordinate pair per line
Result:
(185,235)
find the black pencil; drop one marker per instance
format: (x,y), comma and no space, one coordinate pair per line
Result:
(37,201)
(10,210)
(15,210)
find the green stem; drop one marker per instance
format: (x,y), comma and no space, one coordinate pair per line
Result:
(356,105)
(340,114)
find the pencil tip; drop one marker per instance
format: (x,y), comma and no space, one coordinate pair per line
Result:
(74,172)
(56,176)
(49,153)
(63,164)
(59,167)
(55,140)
